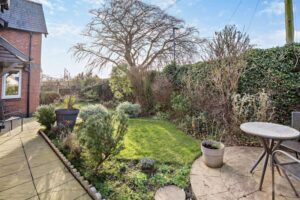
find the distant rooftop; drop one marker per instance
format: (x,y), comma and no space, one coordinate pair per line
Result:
(25,15)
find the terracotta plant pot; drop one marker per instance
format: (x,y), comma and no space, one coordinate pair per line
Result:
(213,153)
(67,117)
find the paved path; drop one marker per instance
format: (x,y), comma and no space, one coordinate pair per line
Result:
(233,180)
(29,169)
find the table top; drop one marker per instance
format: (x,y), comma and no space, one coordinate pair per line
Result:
(270,130)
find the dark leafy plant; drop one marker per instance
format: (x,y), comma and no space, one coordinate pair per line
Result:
(147,164)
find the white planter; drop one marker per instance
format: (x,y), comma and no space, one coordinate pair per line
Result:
(213,157)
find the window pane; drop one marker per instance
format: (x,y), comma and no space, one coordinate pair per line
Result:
(12,80)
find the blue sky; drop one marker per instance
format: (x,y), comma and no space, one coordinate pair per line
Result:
(262,19)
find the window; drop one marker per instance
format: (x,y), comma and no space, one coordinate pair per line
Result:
(11,84)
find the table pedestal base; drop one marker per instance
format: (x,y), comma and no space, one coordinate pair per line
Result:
(269,147)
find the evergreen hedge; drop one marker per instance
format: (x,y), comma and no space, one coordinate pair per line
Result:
(270,69)
(273,70)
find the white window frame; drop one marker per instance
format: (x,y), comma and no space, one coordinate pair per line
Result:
(4,86)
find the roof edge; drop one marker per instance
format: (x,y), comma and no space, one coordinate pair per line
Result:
(12,49)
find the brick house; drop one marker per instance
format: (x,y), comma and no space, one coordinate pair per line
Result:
(22,27)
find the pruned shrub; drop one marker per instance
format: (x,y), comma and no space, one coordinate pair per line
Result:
(45,115)
(92,110)
(132,110)
(102,137)
(47,98)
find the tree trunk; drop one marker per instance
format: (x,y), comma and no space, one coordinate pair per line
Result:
(289,21)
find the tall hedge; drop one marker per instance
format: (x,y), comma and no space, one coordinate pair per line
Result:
(272,70)
(269,69)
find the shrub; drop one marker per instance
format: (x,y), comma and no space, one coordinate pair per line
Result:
(45,115)
(180,104)
(147,164)
(120,83)
(92,110)
(110,104)
(70,142)
(59,132)
(49,97)
(256,107)
(162,115)
(101,137)
(132,110)
(162,91)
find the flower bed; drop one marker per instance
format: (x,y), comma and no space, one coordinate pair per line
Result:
(153,154)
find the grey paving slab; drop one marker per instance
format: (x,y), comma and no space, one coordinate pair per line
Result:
(29,169)
(234,180)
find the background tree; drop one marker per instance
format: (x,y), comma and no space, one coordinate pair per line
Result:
(120,83)
(137,34)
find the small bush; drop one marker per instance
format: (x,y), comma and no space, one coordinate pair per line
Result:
(180,104)
(45,115)
(162,115)
(47,98)
(132,110)
(147,164)
(101,137)
(92,110)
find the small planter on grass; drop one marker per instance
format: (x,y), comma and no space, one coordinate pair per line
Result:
(213,153)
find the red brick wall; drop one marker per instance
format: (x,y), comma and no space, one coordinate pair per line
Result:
(21,40)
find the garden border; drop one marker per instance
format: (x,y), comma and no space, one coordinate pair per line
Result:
(90,189)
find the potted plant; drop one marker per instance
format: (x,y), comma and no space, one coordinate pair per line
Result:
(68,116)
(213,153)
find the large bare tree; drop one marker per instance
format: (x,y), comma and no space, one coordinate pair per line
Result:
(134,33)
(137,34)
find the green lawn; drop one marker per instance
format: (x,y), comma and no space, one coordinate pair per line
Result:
(159,140)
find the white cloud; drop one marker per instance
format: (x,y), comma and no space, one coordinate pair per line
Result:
(53,5)
(273,8)
(63,30)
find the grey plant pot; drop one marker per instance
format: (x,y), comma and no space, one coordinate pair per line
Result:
(213,157)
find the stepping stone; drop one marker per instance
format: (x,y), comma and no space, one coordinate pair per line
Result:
(170,193)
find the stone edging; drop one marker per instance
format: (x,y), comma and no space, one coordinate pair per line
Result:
(90,189)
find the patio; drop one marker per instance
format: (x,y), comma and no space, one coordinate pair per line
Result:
(234,181)
(30,169)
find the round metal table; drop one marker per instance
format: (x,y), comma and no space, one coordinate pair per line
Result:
(271,136)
